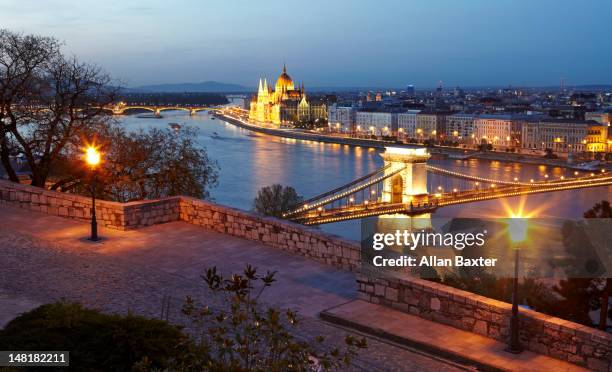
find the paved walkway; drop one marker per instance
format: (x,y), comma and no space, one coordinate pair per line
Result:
(43,259)
(439,338)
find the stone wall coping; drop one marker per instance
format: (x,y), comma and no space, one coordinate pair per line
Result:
(56,194)
(149,202)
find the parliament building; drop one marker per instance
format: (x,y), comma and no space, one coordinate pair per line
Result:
(284,105)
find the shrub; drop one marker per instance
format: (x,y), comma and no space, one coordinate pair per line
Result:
(96,341)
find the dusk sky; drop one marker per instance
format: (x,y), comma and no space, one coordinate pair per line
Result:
(331,43)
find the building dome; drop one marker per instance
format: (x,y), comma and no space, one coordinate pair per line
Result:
(284,81)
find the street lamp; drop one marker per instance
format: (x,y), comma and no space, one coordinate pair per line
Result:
(517,228)
(93,158)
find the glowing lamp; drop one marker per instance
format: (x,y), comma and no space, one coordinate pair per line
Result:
(92,156)
(517,228)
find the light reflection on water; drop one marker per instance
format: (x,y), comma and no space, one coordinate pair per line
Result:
(249,161)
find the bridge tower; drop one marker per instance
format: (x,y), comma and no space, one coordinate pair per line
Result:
(192,112)
(412,180)
(157,112)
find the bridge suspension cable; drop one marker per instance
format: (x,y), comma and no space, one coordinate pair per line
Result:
(450,173)
(343,191)
(338,189)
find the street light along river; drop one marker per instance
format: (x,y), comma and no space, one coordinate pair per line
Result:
(249,161)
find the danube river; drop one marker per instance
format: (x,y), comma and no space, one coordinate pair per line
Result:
(248,161)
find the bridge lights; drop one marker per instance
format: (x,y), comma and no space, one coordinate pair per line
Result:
(562,177)
(515,179)
(531,180)
(546,176)
(439,188)
(454,190)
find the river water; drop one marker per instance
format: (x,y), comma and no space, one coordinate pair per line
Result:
(249,161)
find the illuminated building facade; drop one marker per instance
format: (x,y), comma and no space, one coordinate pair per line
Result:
(565,136)
(375,122)
(501,131)
(460,127)
(285,104)
(430,125)
(407,124)
(341,119)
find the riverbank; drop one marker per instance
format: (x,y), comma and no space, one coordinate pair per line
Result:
(293,134)
(381,144)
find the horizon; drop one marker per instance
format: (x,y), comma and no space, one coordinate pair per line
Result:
(417,88)
(394,44)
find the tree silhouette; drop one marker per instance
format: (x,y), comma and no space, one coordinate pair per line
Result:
(275,199)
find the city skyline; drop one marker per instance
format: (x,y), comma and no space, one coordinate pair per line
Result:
(383,45)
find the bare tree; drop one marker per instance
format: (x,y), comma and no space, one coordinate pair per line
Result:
(49,103)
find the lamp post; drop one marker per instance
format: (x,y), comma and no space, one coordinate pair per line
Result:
(517,227)
(92,157)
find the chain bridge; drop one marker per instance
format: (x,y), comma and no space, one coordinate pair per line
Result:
(401,187)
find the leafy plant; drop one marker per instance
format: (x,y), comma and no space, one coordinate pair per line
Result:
(246,336)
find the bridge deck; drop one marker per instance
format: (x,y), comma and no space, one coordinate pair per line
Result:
(429,203)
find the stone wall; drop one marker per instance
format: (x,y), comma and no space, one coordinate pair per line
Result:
(77,207)
(121,216)
(276,233)
(540,333)
(150,212)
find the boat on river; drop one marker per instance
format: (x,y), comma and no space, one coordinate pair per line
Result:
(589,166)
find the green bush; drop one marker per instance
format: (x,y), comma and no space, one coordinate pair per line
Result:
(96,341)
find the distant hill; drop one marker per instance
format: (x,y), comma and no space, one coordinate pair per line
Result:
(206,86)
